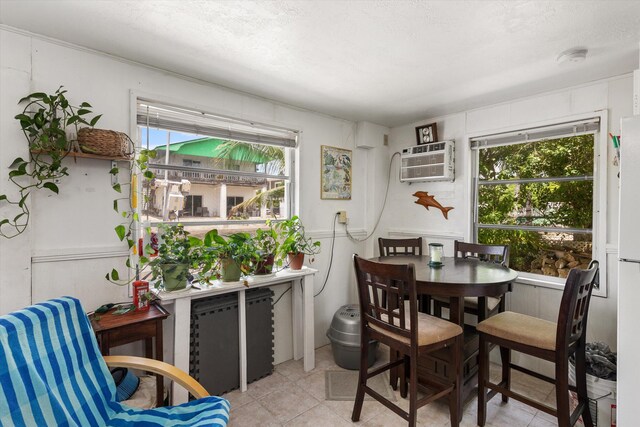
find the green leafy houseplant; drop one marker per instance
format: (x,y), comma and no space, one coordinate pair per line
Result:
(266,246)
(44,121)
(177,253)
(226,258)
(294,244)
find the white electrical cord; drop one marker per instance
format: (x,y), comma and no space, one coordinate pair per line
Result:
(384,203)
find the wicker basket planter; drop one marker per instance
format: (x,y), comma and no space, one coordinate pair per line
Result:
(105,142)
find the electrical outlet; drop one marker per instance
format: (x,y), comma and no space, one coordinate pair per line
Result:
(342,217)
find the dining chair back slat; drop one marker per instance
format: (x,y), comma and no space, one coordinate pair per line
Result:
(395,281)
(574,306)
(498,254)
(394,247)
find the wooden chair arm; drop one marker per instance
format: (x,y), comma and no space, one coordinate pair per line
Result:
(158,367)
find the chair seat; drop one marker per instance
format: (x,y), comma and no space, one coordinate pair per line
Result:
(431,329)
(472,302)
(522,329)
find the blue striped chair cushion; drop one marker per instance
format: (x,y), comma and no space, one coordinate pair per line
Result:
(52,373)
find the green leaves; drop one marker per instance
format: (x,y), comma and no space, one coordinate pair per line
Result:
(22,200)
(95,120)
(17,162)
(17,173)
(212,237)
(51,186)
(121,231)
(117,188)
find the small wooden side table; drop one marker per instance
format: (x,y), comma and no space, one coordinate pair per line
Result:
(113,330)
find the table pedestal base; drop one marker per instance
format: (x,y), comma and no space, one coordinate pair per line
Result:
(437,364)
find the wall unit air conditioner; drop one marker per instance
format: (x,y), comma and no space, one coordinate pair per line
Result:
(428,162)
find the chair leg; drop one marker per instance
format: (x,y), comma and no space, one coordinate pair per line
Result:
(581,384)
(393,372)
(362,378)
(483,377)
(505,357)
(455,398)
(406,373)
(562,391)
(413,389)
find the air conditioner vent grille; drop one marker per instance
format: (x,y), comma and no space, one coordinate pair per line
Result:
(431,162)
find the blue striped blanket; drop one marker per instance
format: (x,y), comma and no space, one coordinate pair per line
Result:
(52,373)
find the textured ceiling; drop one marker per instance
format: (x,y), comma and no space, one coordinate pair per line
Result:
(388,62)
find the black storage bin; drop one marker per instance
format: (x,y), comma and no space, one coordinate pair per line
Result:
(214,351)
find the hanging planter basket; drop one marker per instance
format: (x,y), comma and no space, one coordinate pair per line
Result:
(104,142)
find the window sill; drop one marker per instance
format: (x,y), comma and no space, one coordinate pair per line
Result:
(555,283)
(541,281)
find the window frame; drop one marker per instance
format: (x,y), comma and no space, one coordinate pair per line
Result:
(599,230)
(290,154)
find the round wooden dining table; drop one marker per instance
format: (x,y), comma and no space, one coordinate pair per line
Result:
(455,279)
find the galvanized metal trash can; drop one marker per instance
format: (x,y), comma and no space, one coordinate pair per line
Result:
(344,334)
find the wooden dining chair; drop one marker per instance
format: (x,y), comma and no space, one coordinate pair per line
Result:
(409,332)
(554,342)
(399,247)
(481,307)
(402,247)
(391,247)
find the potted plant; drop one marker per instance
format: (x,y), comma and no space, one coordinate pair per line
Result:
(294,243)
(228,257)
(44,122)
(265,245)
(177,253)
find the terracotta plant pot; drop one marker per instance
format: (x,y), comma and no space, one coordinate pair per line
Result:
(296,260)
(265,265)
(229,270)
(174,276)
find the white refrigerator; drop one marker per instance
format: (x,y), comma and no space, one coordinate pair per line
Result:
(628,409)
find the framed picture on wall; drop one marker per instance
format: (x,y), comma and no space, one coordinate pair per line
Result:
(427,134)
(335,178)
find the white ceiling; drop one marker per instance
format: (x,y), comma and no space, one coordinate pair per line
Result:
(388,62)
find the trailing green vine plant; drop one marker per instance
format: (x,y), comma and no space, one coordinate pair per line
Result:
(126,230)
(44,122)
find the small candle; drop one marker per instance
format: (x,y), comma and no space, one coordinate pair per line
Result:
(435,252)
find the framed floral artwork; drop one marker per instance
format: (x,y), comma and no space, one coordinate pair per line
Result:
(335,179)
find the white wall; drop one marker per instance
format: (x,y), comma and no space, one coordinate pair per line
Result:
(402,217)
(71,238)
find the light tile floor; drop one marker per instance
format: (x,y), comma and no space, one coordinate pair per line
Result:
(292,397)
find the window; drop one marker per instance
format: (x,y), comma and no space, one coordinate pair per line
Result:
(213,171)
(534,190)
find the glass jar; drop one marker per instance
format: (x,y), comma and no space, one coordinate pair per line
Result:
(436,253)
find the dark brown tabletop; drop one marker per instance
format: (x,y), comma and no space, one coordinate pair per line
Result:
(457,276)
